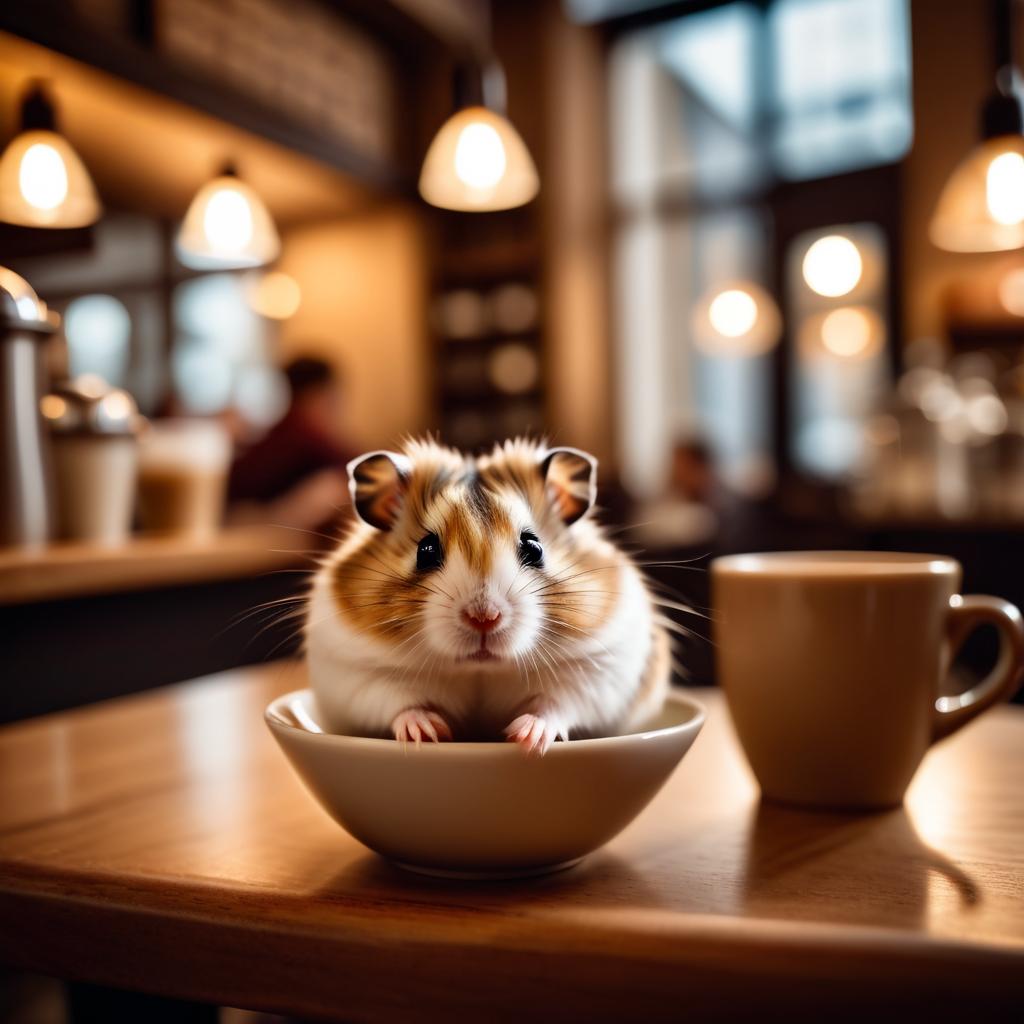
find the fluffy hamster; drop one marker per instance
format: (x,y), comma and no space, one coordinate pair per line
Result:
(478,599)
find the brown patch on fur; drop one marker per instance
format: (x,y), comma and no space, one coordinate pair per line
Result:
(375,580)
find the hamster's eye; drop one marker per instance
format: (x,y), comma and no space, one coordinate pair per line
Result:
(429,554)
(530,551)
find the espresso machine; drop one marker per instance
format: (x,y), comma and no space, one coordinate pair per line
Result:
(26,493)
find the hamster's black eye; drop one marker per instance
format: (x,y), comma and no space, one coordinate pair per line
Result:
(530,551)
(429,554)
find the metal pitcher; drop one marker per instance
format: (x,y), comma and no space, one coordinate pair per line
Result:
(26,492)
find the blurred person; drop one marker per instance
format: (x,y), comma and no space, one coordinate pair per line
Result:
(684,515)
(295,474)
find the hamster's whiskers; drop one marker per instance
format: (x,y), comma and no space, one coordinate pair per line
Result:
(396,578)
(561,580)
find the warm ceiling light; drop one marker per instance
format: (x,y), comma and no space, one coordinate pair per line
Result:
(477,160)
(738,319)
(981,208)
(43,182)
(227,227)
(833,266)
(275,295)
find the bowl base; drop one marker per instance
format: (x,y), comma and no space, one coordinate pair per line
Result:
(496,875)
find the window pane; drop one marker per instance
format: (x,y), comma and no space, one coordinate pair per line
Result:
(842,85)
(683,107)
(98,331)
(218,340)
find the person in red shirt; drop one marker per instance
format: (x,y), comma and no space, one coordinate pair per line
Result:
(295,474)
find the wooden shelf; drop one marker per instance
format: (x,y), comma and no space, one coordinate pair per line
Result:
(75,570)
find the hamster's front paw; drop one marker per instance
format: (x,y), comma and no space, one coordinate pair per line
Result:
(420,724)
(534,733)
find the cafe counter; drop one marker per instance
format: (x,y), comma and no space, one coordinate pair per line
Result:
(84,622)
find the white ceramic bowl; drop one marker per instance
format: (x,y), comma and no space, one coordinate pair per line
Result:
(482,809)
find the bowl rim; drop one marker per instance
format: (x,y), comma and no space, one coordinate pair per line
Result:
(276,721)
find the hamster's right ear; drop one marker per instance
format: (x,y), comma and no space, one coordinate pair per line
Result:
(571,477)
(376,482)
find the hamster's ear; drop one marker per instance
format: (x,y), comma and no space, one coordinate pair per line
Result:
(376,482)
(571,478)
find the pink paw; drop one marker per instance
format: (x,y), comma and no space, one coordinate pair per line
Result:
(418,724)
(534,733)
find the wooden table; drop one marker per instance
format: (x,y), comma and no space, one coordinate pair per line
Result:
(161,842)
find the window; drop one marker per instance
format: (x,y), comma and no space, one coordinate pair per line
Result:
(196,345)
(842,85)
(221,355)
(708,112)
(98,329)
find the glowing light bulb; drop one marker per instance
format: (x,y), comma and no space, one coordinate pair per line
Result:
(833,266)
(227,221)
(1004,188)
(42,177)
(733,313)
(479,156)
(846,332)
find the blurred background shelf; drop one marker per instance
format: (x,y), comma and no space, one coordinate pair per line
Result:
(147,562)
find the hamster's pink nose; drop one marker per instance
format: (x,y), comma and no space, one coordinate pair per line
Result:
(482,620)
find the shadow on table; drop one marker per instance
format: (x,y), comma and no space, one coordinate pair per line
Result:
(870,869)
(601,878)
(762,860)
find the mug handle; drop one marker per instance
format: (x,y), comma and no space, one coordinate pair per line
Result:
(965,615)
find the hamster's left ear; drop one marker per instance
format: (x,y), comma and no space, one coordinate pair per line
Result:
(571,479)
(376,482)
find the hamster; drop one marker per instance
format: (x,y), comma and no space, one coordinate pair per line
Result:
(477,599)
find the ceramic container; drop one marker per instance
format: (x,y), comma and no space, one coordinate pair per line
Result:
(482,810)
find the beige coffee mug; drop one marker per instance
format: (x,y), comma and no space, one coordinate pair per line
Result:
(832,663)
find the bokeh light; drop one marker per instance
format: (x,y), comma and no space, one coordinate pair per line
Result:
(513,369)
(1011,292)
(733,313)
(833,266)
(275,295)
(846,332)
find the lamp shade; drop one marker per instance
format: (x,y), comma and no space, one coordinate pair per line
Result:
(478,162)
(227,227)
(44,184)
(736,319)
(981,209)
